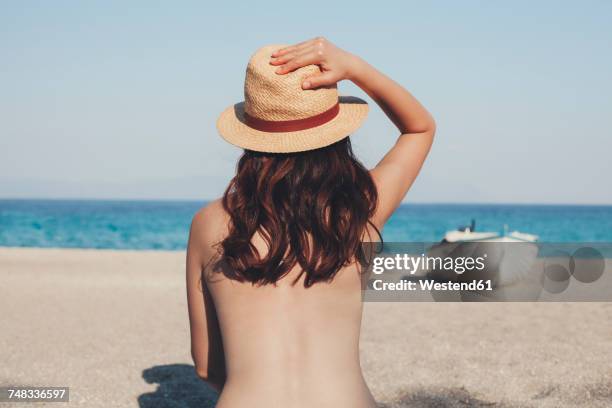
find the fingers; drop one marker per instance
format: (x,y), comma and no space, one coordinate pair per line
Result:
(319,80)
(283,59)
(290,54)
(294,62)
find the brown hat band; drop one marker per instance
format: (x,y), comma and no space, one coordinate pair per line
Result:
(292,125)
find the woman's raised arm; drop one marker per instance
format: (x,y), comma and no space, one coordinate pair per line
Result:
(398,169)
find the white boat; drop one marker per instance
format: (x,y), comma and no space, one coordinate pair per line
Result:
(469,234)
(509,256)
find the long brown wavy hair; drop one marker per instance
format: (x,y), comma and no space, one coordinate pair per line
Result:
(311,208)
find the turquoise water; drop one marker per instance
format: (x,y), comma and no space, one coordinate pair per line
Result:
(165,224)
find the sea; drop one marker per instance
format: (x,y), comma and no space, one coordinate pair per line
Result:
(164,225)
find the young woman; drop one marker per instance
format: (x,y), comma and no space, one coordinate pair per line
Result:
(273,271)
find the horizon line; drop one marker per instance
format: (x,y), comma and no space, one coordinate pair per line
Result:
(207,200)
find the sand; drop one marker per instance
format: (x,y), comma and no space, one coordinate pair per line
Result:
(112,325)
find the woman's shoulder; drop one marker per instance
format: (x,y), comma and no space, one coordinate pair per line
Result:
(210,224)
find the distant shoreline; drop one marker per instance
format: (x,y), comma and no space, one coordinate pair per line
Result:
(205,201)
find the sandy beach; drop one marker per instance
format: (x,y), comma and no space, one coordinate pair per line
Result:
(112,325)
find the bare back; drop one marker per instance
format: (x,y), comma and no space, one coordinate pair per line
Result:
(287,345)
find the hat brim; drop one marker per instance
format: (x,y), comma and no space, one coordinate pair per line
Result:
(232,127)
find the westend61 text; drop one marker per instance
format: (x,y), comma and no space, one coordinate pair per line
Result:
(429,285)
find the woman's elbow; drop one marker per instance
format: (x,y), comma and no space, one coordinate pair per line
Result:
(425,127)
(431,126)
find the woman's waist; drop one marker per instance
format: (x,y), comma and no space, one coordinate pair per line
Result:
(292,390)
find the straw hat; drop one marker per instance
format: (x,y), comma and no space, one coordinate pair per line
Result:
(278,116)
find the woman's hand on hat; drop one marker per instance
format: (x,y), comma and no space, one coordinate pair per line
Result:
(335,63)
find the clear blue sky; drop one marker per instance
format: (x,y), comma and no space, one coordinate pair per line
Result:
(119,99)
